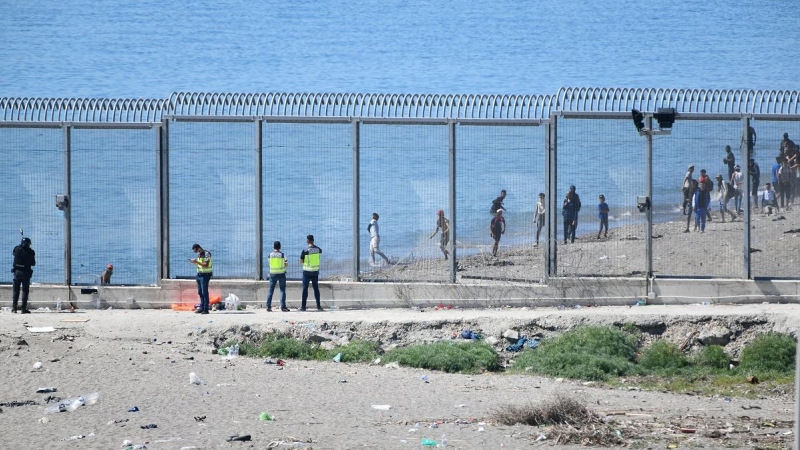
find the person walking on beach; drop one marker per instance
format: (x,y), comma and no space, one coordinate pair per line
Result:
(702,198)
(786,144)
(24,260)
(497,228)
(689,216)
(725,191)
(755,179)
(687,189)
(602,214)
(729,160)
(498,203)
(568,213)
(204,272)
(105,277)
(538,217)
(785,184)
(375,240)
(737,180)
(577,199)
(277,275)
(310,259)
(704,179)
(444,225)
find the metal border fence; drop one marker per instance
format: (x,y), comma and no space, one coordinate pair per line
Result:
(385,109)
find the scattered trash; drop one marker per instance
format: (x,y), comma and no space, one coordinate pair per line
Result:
(72,403)
(194,379)
(44,420)
(342,381)
(688,430)
(469,334)
(236,437)
(392,365)
(424,378)
(41,329)
(428,442)
(18,403)
(604,257)
(337,358)
(641,302)
(726,399)
(148,426)
(481,430)
(382,407)
(541,437)
(265,416)
(46,390)
(232,303)
(133,409)
(532,343)
(37,365)
(73,438)
(199,418)
(752,379)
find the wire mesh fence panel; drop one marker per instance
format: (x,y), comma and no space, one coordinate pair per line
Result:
(33,161)
(600,157)
(702,237)
(113,205)
(489,160)
(404,177)
(212,196)
(308,189)
(775,230)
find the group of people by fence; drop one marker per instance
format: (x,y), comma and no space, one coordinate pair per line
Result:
(784,185)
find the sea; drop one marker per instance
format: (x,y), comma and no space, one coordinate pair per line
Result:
(149,49)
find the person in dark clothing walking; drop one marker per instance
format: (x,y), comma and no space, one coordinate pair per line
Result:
(24,259)
(498,203)
(569,213)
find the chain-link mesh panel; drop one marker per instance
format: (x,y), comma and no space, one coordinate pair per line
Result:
(600,157)
(211,196)
(33,161)
(490,159)
(404,178)
(775,230)
(682,245)
(308,189)
(113,205)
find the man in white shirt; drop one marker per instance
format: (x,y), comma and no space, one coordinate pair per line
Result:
(375,240)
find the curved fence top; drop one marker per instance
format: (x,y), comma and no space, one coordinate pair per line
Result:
(82,110)
(449,106)
(739,101)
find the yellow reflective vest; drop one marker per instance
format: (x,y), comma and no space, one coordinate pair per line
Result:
(277,263)
(204,256)
(311,259)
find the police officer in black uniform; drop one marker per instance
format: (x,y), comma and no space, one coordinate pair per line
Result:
(24,259)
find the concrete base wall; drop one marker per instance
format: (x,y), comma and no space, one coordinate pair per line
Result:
(564,291)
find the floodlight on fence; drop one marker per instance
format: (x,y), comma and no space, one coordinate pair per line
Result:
(638,119)
(665,118)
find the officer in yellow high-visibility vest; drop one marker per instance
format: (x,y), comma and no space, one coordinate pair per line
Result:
(204,273)
(277,275)
(310,260)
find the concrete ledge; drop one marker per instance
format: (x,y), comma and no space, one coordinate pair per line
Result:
(355,295)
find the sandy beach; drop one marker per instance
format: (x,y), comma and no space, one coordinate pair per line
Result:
(143,359)
(717,252)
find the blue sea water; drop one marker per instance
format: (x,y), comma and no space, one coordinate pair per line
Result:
(149,49)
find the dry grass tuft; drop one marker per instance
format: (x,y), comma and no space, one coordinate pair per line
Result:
(566,419)
(560,410)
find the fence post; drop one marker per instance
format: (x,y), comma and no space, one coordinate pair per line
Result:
(356,197)
(649,192)
(163,199)
(745,167)
(551,181)
(259,149)
(451,134)
(67,129)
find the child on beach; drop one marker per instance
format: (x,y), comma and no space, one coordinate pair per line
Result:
(538,217)
(602,209)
